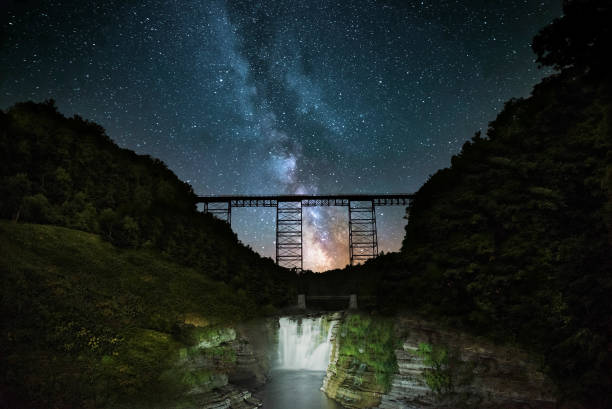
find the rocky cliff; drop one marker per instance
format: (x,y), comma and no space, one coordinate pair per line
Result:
(357,376)
(222,368)
(434,367)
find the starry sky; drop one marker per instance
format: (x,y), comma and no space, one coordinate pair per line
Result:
(279,96)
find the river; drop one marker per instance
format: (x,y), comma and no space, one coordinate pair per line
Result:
(296,389)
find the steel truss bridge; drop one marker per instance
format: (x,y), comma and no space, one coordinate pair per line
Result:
(363,238)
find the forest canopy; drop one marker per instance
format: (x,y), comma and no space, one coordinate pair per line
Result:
(68,172)
(514,239)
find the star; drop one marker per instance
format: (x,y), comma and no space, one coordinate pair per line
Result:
(281,97)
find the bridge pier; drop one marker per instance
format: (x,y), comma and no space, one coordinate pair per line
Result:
(302,301)
(353,302)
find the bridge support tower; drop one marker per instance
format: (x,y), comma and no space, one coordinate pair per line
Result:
(289,235)
(363,239)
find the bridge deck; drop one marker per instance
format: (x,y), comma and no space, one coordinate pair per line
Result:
(401,199)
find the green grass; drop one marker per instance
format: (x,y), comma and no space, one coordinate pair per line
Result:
(87,324)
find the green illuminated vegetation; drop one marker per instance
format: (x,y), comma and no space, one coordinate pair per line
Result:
(438,376)
(135,280)
(368,342)
(77,308)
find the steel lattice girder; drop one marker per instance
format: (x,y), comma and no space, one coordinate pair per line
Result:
(363,239)
(289,235)
(222,210)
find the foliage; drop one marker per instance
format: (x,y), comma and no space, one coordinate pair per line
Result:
(86,324)
(579,40)
(67,172)
(362,280)
(438,376)
(514,239)
(369,340)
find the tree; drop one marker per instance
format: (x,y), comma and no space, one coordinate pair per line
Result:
(36,208)
(12,191)
(580,39)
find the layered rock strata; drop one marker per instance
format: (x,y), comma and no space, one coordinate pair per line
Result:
(440,368)
(348,381)
(222,369)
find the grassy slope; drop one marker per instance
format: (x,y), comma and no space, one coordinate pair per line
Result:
(86,324)
(68,172)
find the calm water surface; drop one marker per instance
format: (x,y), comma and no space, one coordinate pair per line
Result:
(296,389)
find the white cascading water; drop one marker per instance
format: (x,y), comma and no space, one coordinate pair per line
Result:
(304,344)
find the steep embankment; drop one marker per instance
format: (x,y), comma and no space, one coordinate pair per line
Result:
(405,361)
(362,360)
(68,172)
(87,324)
(514,239)
(131,307)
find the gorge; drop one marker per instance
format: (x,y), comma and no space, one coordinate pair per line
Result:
(358,360)
(122,289)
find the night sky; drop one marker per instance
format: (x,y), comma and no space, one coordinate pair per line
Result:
(266,97)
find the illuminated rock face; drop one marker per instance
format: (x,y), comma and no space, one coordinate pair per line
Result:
(362,360)
(372,362)
(436,367)
(223,366)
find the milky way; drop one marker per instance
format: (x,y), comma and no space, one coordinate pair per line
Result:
(280,96)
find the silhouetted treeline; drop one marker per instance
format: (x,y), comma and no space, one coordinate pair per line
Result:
(514,240)
(361,279)
(67,171)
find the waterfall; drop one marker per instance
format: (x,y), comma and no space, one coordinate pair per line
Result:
(304,343)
